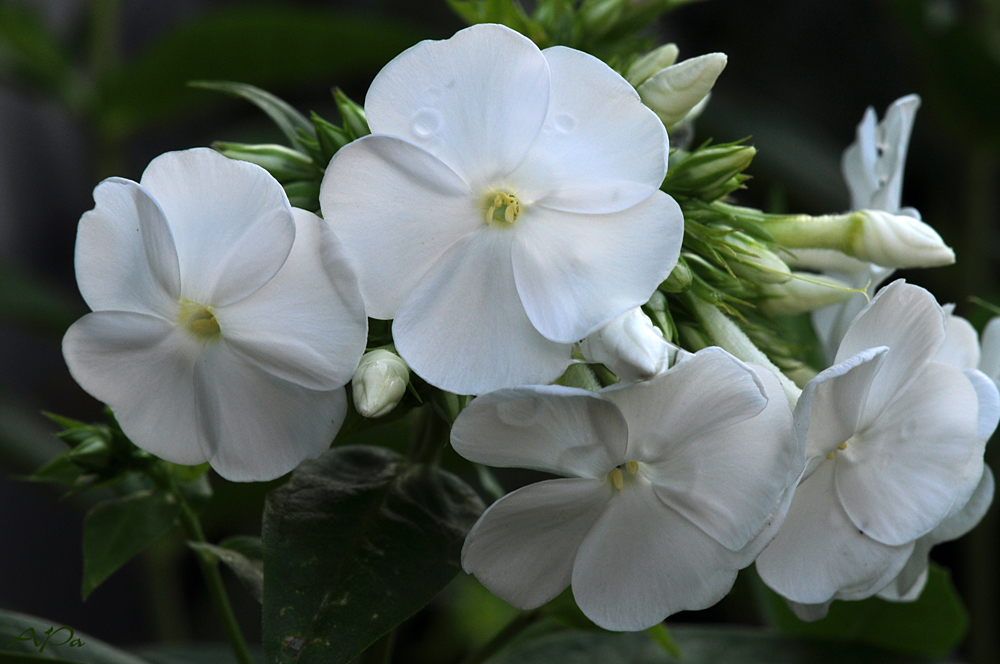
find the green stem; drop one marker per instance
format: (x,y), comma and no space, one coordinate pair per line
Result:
(661,635)
(213,579)
(503,637)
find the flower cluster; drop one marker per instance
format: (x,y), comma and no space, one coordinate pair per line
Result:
(512,213)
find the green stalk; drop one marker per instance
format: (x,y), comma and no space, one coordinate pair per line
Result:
(505,636)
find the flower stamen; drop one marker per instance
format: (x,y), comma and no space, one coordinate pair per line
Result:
(198,320)
(502,208)
(616,479)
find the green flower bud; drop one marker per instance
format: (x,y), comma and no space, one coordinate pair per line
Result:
(708,169)
(674,91)
(751,260)
(680,278)
(379,383)
(92,454)
(284,163)
(655,61)
(352,115)
(804,292)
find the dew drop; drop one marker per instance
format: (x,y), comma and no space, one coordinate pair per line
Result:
(564,123)
(426,123)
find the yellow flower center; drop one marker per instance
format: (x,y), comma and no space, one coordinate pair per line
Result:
(501,207)
(618,478)
(198,320)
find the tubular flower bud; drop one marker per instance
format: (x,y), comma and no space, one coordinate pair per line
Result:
(804,292)
(656,60)
(709,167)
(753,261)
(284,163)
(674,91)
(631,346)
(379,383)
(889,240)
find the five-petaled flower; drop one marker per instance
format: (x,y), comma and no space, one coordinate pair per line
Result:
(225,323)
(672,486)
(506,206)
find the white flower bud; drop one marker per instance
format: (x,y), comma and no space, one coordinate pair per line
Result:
(379,383)
(651,63)
(889,240)
(630,346)
(804,292)
(674,91)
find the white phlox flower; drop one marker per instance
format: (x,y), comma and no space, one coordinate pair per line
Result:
(960,350)
(630,346)
(225,323)
(670,487)
(505,207)
(894,438)
(873,170)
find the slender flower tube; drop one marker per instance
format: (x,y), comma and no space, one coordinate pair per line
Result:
(670,486)
(506,206)
(894,440)
(225,323)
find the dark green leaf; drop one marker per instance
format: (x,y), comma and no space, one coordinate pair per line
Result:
(698,645)
(355,543)
(266,46)
(289,121)
(60,470)
(17,645)
(115,531)
(244,556)
(932,626)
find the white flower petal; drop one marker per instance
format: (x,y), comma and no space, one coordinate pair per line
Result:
(477,101)
(257,427)
(819,554)
(989,402)
(728,481)
(142,367)
(463,328)
(894,133)
(830,408)
(231,222)
(557,429)
(600,150)
(961,344)
(900,477)
(397,209)
(575,272)
(523,546)
(710,391)
(908,320)
(642,562)
(858,162)
(125,256)
(307,325)
(989,358)
(810,612)
(630,346)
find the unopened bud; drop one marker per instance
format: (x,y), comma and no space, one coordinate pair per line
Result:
(708,169)
(889,240)
(656,60)
(352,115)
(631,346)
(284,163)
(674,91)
(804,292)
(329,136)
(92,454)
(753,261)
(680,278)
(379,383)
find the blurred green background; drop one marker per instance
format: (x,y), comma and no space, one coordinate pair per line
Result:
(90,89)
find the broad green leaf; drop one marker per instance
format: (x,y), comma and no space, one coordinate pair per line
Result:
(29,53)
(115,531)
(17,645)
(356,542)
(931,626)
(698,645)
(244,556)
(265,46)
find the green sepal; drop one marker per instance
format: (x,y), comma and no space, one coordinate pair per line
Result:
(284,163)
(289,121)
(352,115)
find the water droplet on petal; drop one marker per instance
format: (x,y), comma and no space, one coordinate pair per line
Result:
(426,122)
(564,123)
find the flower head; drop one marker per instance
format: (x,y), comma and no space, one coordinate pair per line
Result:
(670,487)
(895,441)
(225,323)
(506,206)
